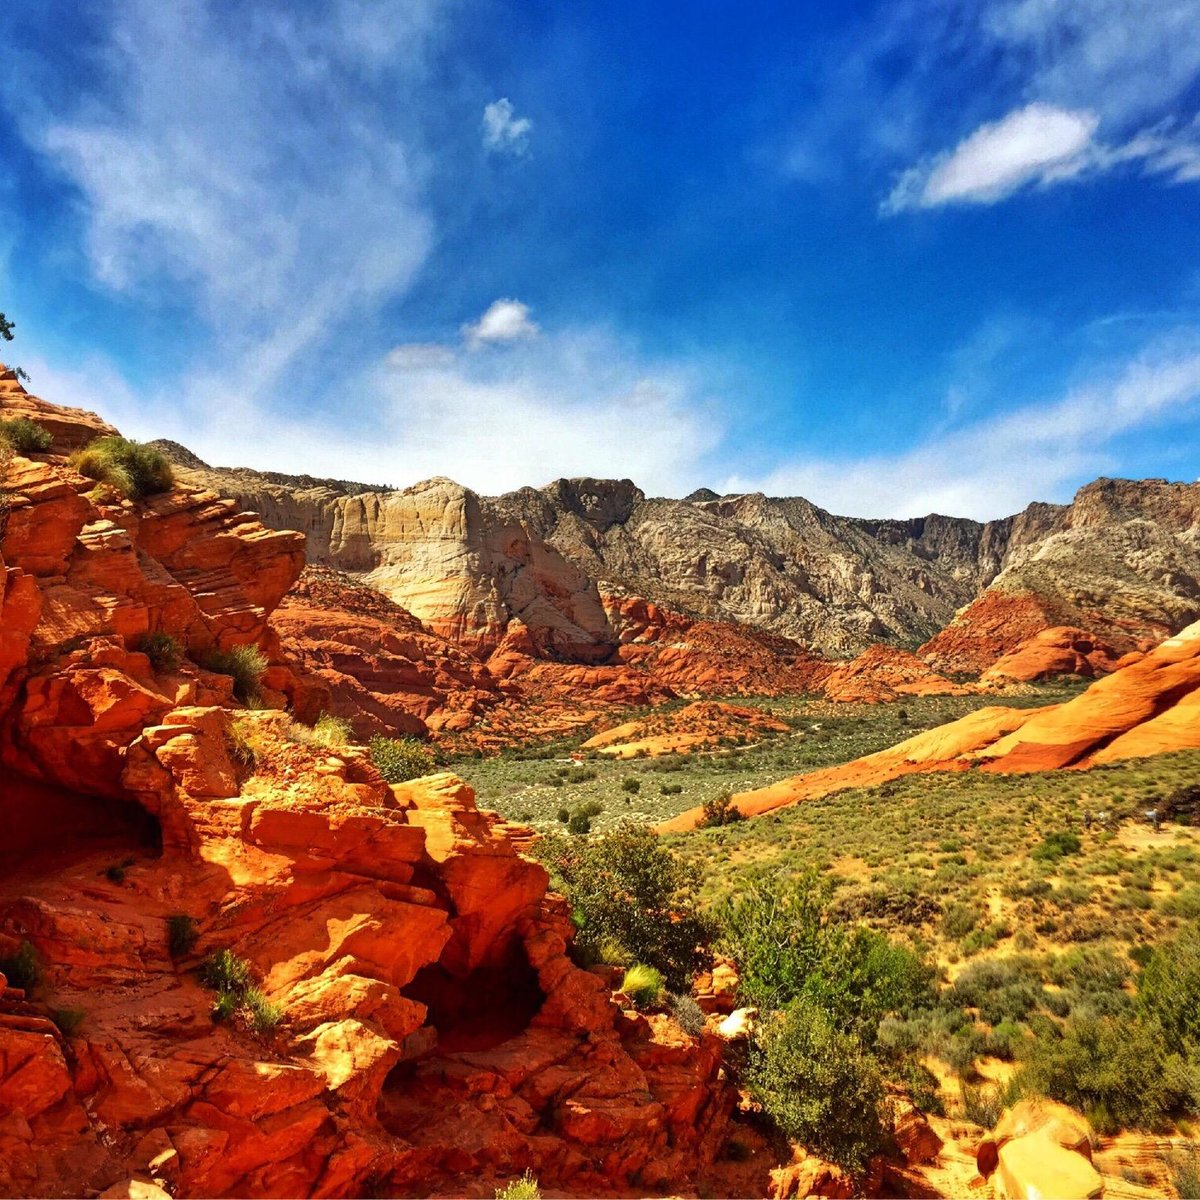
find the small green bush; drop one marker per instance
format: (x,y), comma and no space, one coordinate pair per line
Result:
(670,789)
(164,652)
(1183,1168)
(130,468)
(246,665)
(820,1087)
(1119,1073)
(401,759)
(525,1187)
(182,932)
(628,888)
(328,732)
(25,436)
(224,971)
(643,985)
(688,1014)
(261,1015)
(564,815)
(68,1020)
(720,810)
(224,1006)
(631,785)
(22,969)
(579,823)
(1056,845)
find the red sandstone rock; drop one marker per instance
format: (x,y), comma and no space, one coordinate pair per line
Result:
(705,723)
(885,673)
(1062,650)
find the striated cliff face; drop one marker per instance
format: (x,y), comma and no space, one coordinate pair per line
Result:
(1120,562)
(431,1035)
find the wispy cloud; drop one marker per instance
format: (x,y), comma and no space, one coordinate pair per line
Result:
(504,321)
(1040,145)
(243,163)
(503,130)
(996,466)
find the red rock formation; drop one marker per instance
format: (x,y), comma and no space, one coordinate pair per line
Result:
(1149,706)
(431,1036)
(702,724)
(885,673)
(1062,650)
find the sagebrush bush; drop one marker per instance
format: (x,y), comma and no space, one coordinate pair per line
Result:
(128,467)
(1169,988)
(25,436)
(631,785)
(1119,1073)
(579,823)
(245,665)
(164,651)
(688,1014)
(820,1086)
(401,759)
(643,985)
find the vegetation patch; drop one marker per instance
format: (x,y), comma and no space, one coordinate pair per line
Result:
(400,759)
(245,665)
(131,469)
(24,436)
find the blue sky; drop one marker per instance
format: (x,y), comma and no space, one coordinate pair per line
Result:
(898,257)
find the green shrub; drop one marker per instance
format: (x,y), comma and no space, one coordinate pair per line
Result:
(245,665)
(25,436)
(579,823)
(689,1016)
(130,468)
(1169,988)
(984,1105)
(182,932)
(402,759)
(1119,1073)
(564,815)
(1183,1168)
(68,1020)
(164,652)
(670,789)
(627,888)
(960,919)
(788,948)
(525,1187)
(720,810)
(224,971)
(643,985)
(225,1006)
(819,1086)
(261,1015)
(1056,845)
(631,785)
(22,969)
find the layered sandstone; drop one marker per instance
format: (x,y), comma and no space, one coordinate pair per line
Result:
(432,1035)
(704,724)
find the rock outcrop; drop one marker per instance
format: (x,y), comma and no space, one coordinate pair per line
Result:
(704,724)
(1149,706)
(414,1024)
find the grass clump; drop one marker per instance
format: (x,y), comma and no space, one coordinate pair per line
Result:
(1057,845)
(233,981)
(631,785)
(22,969)
(524,1187)
(164,651)
(245,665)
(25,436)
(643,985)
(401,759)
(128,467)
(182,933)
(328,732)
(689,1016)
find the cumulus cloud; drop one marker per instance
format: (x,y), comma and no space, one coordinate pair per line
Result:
(504,321)
(1039,145)
(503,130)
(994,467)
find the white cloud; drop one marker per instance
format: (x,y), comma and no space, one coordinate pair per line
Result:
(1039,145)
(503,130)
(504,321)
(417,355)
(996,466)
(232,161)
